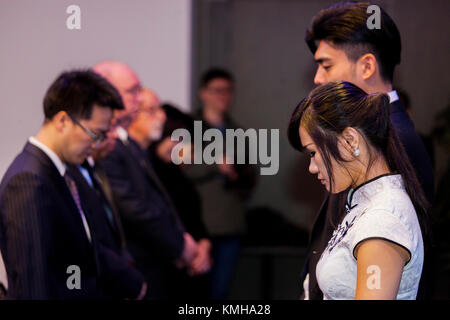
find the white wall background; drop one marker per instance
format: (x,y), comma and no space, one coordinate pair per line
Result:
(152,36)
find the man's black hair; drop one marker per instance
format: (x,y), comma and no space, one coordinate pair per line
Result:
(215,73)
(77,91)
(345,26)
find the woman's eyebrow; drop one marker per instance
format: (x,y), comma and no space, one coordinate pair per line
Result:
(307,145)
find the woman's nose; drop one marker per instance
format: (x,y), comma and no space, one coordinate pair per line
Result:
(313,167)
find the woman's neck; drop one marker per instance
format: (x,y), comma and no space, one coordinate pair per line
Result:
(379,167)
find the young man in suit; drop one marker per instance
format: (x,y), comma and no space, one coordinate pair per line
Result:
(367,58)
(48,244)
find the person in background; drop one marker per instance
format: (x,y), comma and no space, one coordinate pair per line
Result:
(194,282)
(123,281)
(224,188)
(427,139)
(367,58)
(377,250)
(156,237)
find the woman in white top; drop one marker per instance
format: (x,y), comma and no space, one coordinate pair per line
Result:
(377,251)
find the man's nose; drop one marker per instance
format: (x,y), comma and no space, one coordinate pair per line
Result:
(319,78)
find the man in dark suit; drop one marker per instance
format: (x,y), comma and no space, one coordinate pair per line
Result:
(155,235)
(46,237)
(121,279)
(366,57)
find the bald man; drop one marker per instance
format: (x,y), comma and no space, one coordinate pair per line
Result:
(126,81)
(155,235)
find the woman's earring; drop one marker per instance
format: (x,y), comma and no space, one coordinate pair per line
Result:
(356,152)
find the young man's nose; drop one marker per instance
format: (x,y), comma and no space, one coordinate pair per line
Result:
(319,78)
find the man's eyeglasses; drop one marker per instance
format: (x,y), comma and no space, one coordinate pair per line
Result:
(96,137)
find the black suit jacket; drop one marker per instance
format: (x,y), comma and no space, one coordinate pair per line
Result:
(120,279)
(331,210)
(153,230)
(42,234)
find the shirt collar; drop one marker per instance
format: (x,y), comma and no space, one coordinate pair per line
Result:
(91,161)
(368,189)
(50,153)
(393,96)
(122,134)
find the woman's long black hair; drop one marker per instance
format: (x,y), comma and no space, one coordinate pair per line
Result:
(331,108)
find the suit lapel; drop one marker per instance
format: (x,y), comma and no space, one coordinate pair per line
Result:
(62,188)
(101,180)
(144,161)
(146,165)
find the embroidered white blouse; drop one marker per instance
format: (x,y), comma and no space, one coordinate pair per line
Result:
(379,208)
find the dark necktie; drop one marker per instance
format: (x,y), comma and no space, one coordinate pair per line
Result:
(76,197)
(96,184)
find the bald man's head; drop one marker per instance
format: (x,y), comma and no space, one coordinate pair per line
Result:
(125,80)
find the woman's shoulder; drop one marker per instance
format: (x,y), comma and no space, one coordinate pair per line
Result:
(389,199)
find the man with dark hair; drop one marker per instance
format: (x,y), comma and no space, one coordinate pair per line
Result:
(48,244)
(214,74)
(224,183)
(346,49)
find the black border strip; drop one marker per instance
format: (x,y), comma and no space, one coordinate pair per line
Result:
(388,240)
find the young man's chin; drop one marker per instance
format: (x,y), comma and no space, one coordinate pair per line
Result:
(77,160)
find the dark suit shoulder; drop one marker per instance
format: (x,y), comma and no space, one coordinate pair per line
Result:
(414,147)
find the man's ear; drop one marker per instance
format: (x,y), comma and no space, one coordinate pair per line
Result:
(367,65)
(61,120)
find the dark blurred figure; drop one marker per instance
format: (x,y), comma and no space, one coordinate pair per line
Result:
(193,284)
(224,188)
(427,139)
(441,221)
(156,237)
(123,280)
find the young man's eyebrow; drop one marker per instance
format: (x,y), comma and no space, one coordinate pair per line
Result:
(322,60)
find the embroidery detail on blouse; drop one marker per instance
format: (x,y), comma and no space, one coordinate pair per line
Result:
(339,234)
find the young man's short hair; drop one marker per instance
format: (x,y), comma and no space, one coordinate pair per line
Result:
(215,73)
(345,26)
(77,91)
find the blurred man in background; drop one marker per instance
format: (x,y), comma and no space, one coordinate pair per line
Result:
(155,235)
(224,188)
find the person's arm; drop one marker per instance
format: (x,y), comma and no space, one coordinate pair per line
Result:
(153,227)
(120,279)
(379,269)
(24,203)
(203,261)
